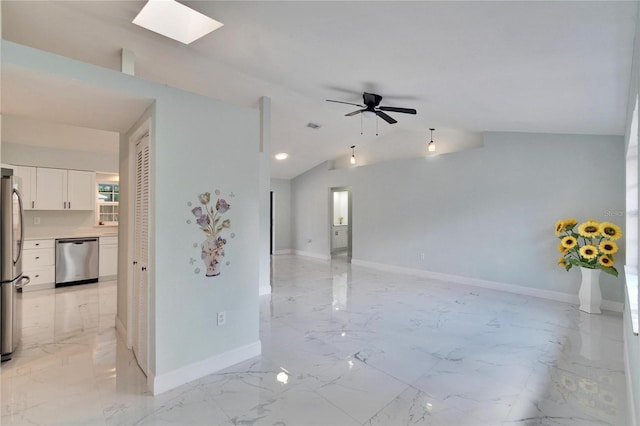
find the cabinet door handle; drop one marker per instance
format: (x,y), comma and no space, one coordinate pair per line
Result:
(33,204)
(37,244)
(65,204)
(135,262)
(37,257)
(69,204)
(144,268)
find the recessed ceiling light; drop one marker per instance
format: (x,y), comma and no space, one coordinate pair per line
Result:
(282,156)
(175,20)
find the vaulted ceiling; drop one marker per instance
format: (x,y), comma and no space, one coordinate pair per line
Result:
(467,67)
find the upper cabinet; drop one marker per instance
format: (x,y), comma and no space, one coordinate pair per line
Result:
(58,189)
(51,189)
(81,190)
(27,188)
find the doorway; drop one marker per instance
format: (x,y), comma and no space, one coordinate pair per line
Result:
(341,223)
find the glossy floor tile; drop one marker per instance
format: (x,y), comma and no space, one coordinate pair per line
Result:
(341,345)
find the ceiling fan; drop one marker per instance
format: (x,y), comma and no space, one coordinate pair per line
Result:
(371,105)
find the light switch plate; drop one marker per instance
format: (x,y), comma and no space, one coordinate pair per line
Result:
(222,318)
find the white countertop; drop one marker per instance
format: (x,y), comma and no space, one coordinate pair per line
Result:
(53,233)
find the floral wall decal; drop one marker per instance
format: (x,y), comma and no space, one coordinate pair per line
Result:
(210,221)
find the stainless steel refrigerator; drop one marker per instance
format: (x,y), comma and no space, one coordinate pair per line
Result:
(11,278)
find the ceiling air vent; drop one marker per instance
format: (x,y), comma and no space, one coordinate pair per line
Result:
(313,126)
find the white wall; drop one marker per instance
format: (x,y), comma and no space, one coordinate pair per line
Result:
(487,213)
(282,214)
(197,145)
(341,207)
(40,156)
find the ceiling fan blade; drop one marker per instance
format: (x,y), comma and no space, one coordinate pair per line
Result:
(354,112)
(348,103)
(385,117)
(394,109)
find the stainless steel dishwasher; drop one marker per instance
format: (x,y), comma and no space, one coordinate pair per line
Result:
(77,261)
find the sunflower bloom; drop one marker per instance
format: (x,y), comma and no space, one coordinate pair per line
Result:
(610,230)
(589,251)
(605,261)
(559,227)
(608,247)
(562,262)
(562,249)
(569,242)
(569,223)
(589,229)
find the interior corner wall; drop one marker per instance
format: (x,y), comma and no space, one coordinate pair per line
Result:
(486,213)
(200,145)
(281,189)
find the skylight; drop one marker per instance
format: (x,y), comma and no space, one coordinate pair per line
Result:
(175,20)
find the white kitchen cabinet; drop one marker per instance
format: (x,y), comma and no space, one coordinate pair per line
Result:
(27,186)
(38,263)
(340,236)
(108,267)
(59,189)
(81,190)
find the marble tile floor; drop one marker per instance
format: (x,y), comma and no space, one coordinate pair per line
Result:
(342,345)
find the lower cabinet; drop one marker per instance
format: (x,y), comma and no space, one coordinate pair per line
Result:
(39,264)
(340,237)
(108,268)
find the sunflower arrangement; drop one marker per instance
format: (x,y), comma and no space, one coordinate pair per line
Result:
(592,245)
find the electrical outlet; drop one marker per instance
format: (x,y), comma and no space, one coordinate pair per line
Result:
(222,318)
(36,221)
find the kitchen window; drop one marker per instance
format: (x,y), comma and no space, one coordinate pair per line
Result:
(108,203)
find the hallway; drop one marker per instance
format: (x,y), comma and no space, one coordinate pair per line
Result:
(342,345)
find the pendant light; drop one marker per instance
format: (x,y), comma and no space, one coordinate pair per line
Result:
(431,146)
(353,154)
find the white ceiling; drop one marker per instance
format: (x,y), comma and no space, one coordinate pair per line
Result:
(561,67)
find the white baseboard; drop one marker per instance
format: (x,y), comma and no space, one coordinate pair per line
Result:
(173,379)
(282,252)
(122,331)
(493,285)
(310,254)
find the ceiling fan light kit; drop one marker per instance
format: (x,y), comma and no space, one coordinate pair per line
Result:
(353,154)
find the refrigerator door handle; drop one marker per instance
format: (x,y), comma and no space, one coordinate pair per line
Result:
(21,245)
(22,281)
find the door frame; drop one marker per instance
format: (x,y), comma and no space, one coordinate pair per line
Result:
(143,129)
(349,224)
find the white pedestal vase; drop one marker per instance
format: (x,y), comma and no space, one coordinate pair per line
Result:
(589,294)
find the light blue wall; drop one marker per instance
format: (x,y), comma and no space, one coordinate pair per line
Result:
(198,145)
(281,189)
(487,213)
(632,341)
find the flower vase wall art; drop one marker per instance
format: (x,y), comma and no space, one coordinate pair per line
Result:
(209,219)
(592,247)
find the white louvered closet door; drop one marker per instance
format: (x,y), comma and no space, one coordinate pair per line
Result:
(140,277)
